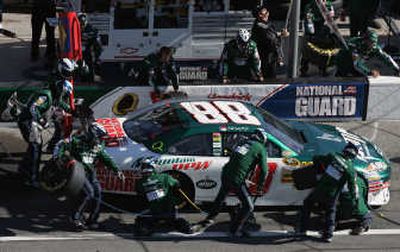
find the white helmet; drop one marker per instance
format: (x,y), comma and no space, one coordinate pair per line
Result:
(243,35)
(82,18)
(67,87)
(66,67)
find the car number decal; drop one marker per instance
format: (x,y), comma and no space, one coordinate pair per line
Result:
(220,112)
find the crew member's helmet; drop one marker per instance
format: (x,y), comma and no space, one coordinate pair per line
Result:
(67,87)
(66,67)
(83,20)
(260,135)
(243,38)
(371,37)
(350,151)
(96,131)
(148,165)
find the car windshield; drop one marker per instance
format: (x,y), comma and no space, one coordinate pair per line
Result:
(152,123)
(282,131)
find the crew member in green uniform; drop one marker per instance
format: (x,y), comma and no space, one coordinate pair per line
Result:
(160,190)
(244,159)
(338,171)
(240,59)
(351,61)
(361,210)
(320,45)
(87,148)
(31,122)
(159,71)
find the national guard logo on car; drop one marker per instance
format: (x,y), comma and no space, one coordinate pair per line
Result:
(206,184)
(126,103)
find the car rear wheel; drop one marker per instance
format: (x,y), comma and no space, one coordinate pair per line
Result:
(187,188)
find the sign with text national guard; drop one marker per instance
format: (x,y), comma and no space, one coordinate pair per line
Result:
(318,101)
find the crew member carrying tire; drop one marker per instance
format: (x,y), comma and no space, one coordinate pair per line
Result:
(87,148)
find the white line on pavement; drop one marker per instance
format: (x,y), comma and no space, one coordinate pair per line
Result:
(258,234)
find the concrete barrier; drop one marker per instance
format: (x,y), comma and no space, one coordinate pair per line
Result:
(384,98)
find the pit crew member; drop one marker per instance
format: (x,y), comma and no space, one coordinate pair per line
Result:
(243,160)
(160,190)
(159,71)
(352,61)
(87,148)
(338,172)
(240,59)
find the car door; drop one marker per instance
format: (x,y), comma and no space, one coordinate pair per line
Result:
(198,156)
(279,189)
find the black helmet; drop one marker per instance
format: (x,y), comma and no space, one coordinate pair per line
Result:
(260,135)
(148,165)
(350,150)
(96,131)
(83,20)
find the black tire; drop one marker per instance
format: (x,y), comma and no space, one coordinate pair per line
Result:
(53,178)
(76,181)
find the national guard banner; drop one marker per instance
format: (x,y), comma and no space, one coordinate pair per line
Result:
(322,101)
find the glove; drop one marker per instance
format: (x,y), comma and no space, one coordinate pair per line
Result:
(260,190)
(225,80)
(121,175)
(43,122)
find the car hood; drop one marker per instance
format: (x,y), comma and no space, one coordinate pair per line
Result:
(323,139)
(123,150)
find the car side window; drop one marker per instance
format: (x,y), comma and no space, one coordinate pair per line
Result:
(273,150)
(230,140)
(196,145)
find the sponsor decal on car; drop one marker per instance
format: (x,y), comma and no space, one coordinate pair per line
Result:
(234,96)
(377,166)
(217,143)
(110,182)
(206,184)
(175,160)
(268,180)
(125,103)
(128,50)
(199,165)
(295,163)
(220,112)
(158,146)
(115,134)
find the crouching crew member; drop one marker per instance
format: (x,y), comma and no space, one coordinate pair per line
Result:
(160,191)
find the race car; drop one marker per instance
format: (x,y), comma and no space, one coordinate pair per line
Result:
(193,138)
